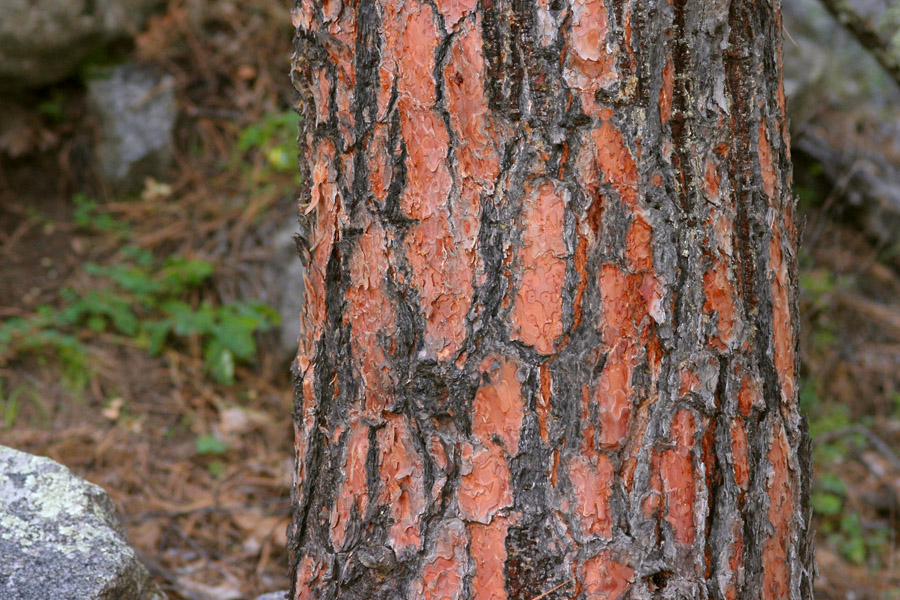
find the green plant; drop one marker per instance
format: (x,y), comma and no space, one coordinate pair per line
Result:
(228,332)
(857,541)
(274,139)
(22,395)
(54,108)
(88,216)
(43,332)
(846,531)
(9,406)
(895,405)
(809,397)
(828,495)
(209,444)
(824,422)
(817,284)
(217,468)
(145,304)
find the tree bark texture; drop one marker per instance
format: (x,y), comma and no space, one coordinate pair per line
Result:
(550,331)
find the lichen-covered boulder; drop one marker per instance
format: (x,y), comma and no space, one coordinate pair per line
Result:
(60,537)
(43,41)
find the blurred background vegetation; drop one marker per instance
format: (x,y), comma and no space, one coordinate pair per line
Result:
(149,284)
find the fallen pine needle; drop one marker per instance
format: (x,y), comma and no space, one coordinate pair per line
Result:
(548,592)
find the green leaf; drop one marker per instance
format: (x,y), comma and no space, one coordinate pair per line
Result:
(280,159)
(217,468)
(180,274)
(266,316)
(817,281)
(133,279)
(209,444)
(851,524)
(123,319)
(827,504)
(141,256)
(188,321)
(854,549)
(157,334)
(236,334)
(72,314)
(96,323)
(54,108)
(832,483)
(88,216)
(252,137)
(10,407)
(219,362)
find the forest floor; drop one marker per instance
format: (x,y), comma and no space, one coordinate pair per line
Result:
(132,348)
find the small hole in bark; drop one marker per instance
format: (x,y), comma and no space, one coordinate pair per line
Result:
(556,5)
(598,368)
(659,580)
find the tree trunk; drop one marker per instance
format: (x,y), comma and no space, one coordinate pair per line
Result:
(549,341)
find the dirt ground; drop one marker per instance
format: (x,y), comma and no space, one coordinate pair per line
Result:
(198,463)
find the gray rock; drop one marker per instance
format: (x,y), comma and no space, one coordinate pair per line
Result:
(137,112)
(283,277)
(845,113)
(60,537)
(43,41)
(274,596)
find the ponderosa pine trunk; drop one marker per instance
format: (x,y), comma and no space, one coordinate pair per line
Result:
(550,331)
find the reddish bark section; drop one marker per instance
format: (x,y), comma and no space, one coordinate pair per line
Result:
(739,455)
(488,551)
(309,572)
(615,160)
(454,10)
(605,578)
(767,169)
(484,486)
(543,404)
(782,321)
(590,65)
(537,310)
(750,395)
(776,563)
(679,481)
(371,319)
(402,487)
(625,299)
(440,246)
(667,91)
(445,567)
(354,494)
(720,302)
(324,194)
(498,408)
(591,481)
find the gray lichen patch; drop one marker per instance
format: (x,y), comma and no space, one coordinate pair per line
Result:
(60,532)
